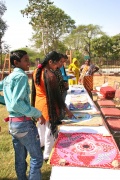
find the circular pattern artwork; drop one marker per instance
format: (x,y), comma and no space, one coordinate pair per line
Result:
(85,150)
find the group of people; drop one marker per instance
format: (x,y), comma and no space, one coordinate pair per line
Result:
(48,108)
(84,74)
(34,124)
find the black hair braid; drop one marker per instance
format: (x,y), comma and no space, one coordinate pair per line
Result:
(51,106)
(54,100)
(33,93)
(38,73)
(54,56)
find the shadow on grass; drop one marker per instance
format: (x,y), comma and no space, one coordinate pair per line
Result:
(46,171)
(8,178)
(46,175)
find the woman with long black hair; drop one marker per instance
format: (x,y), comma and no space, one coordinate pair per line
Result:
(48,100)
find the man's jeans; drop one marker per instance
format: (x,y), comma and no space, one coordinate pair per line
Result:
(26,139)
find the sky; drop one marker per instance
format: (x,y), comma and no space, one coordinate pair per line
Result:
(105,13)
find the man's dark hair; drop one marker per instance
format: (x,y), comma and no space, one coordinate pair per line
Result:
(16,55)
(65,56)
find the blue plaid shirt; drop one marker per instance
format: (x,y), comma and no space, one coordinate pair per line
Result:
(16,92)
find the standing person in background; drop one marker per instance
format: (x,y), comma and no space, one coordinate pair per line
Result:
(62,85)
(24,132)
(62,76)
(84,69)
(86,77)
(74,69)
(65,77)
(59,74)
(48,100)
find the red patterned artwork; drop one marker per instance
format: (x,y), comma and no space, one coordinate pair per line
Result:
(85,150)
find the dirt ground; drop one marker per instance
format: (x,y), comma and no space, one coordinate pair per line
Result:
(99,80)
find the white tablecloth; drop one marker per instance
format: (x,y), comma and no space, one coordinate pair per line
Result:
(76,173)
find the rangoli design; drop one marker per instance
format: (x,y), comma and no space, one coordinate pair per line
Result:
(79,102)
(79,106)
(84,150)
(84,119)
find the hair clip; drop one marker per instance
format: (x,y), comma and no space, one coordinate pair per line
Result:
(39,66)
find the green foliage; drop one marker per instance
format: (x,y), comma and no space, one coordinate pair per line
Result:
(79,56)
(49,24)
(108,47)
(3,25)
(102,46)
(116,46)
(89,40)
(82,37)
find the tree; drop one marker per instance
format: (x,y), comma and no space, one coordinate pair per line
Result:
(49,24)
(102,47)
(83,36)
(3,26)
(116,46)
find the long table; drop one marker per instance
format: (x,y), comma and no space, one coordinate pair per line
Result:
(83,173)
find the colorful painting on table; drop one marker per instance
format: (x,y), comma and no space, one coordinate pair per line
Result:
(83,119)
(78,98)
(79,106)
(79,102)
(85,150)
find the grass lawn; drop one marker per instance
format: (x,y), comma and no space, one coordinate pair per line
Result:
(7,171)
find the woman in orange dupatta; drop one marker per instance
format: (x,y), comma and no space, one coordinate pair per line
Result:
(48,99)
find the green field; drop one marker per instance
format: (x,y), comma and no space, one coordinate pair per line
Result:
(7,171)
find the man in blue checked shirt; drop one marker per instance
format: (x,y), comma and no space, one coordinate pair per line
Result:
(24,132)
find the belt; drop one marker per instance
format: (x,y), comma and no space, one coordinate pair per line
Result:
(19,119)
